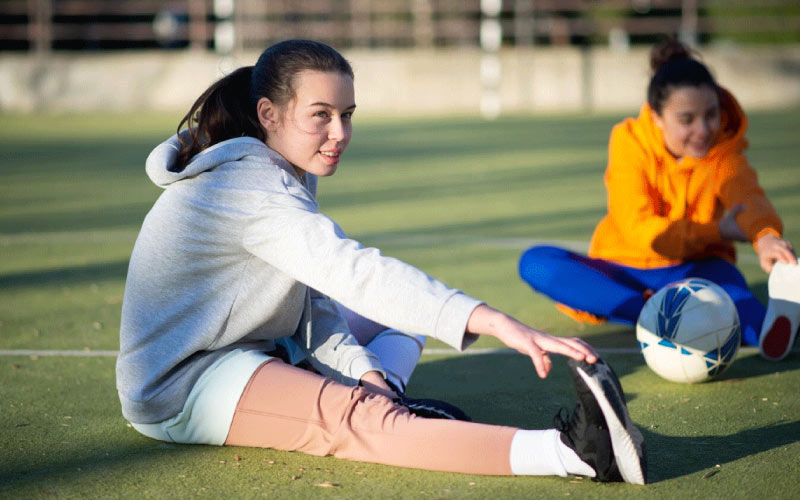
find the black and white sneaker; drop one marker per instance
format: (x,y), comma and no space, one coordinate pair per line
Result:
(585,431)
(433,408)
(600,429)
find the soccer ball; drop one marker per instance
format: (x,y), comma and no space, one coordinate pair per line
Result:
(689,331)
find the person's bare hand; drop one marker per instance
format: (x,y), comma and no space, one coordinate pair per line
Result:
(728,227)
(535,344)
(373,382)
(772,249)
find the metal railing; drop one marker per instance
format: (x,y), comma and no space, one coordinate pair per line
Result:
(229,25)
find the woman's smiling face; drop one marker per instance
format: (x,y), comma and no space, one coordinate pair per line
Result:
(313,129)
(690,121)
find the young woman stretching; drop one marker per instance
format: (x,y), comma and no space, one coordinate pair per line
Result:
(680,191)
(234,258)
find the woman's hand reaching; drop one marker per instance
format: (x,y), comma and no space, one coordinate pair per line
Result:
(772,249)
(529,341)
(373,382)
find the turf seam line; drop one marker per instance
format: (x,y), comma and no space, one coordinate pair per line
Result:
(425,352)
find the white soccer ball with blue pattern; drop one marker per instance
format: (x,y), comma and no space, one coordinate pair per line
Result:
(689,331)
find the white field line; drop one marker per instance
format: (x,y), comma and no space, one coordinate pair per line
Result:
(426,352)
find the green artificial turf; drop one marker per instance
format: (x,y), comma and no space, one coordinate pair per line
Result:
(458,197)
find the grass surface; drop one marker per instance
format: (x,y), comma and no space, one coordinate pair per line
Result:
(459,198)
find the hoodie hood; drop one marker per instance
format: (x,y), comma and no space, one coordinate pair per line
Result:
(733,126)
(166,154)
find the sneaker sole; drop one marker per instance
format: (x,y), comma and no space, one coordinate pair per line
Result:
(776,343)
(783,312)
(626,440)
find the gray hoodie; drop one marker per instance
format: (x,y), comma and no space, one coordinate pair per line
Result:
(235,253)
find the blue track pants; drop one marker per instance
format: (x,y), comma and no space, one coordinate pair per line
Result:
(616,292)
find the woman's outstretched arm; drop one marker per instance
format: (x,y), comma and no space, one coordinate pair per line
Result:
(486,320)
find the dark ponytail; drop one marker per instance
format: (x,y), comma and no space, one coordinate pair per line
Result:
(222,112)
(227,109)
(673,65)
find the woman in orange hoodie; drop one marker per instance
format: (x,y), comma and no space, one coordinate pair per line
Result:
(680,192)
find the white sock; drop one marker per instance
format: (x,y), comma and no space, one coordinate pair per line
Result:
(784,303)
(399,354)
(541,453)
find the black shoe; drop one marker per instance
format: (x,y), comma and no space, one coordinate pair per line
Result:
(586,432)
(428,408)
(433,408)
(600,429)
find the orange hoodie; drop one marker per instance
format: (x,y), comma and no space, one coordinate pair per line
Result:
(663,211)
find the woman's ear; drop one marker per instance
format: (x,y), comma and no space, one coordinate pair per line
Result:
(268,114)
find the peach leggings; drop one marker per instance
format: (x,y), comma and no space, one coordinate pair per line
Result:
(288,408)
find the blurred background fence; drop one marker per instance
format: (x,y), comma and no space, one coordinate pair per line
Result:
(241,24)
(38,37)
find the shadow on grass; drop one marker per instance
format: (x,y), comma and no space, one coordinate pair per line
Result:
(755,366)
(111,457)
(676,456)
(573,219)
(505,391)
(66,275)
(129,215)
(448,138)
(502,388)
(490,183)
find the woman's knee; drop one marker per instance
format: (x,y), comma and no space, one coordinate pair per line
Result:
(536,265)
